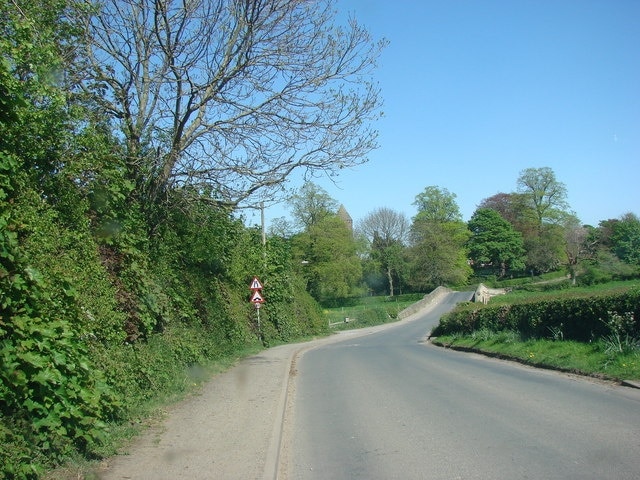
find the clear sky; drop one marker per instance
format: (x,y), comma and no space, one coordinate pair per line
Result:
(476,91)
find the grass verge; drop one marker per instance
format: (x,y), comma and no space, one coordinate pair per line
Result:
(603,359)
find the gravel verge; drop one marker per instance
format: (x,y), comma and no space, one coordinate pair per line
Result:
(232,429)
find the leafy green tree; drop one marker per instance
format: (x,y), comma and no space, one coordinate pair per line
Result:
(311,204)
(603,263)
(438,238)
(436,204)
(327,257)
(438,254)
(390,256)
(546,250)
(544,194)
(537,210)
(625,238)
(34,99)
(495,241)
(325,249)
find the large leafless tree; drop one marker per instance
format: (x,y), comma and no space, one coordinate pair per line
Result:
(232,96)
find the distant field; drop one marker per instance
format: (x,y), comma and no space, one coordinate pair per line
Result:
(369,311)
(532,293)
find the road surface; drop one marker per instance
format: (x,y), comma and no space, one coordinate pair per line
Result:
(389,406)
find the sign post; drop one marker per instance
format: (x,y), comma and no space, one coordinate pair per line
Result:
(257,299)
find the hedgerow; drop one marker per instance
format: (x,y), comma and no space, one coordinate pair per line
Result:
(578,318)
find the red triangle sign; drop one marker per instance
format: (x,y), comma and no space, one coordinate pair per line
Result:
(255,284)
(256,297)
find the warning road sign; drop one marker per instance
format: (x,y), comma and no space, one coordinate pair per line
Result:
(255,284)
(256,297)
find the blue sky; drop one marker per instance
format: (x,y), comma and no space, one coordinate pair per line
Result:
(476,91)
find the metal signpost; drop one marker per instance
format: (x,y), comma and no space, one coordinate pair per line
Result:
(256,298)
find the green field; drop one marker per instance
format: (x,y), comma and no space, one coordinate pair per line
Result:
(369,311)
(552,290)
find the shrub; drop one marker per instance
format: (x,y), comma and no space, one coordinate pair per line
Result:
(579,318)
(52,400)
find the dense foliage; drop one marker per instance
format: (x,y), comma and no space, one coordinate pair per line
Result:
(325,253)
(495,242)
(573,317)
(107,300)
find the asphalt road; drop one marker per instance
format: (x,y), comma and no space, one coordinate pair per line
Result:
(389,406)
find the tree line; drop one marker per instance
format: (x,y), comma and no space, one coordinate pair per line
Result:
(528,232)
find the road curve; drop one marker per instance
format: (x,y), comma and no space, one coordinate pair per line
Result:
(386,405)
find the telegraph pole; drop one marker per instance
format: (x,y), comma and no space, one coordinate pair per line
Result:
(264,234)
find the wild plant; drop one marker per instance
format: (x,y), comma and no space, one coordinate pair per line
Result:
(556,332)
(621,338)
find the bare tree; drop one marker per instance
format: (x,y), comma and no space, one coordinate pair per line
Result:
(579,245)
(386,231)
(390,226)
(232,96)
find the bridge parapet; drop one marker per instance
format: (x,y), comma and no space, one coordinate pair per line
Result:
(483,293)
(426,300)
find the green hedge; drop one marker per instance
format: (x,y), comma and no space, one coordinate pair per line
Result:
(581,319)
